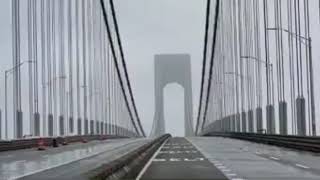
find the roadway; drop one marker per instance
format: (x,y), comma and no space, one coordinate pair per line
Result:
(66,161)
(251,161)
(177,158)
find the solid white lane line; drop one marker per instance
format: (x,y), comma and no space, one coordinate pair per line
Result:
(150,161)
(274,158)
(302,166)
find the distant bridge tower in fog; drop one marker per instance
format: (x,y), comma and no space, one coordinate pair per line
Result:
(172,68)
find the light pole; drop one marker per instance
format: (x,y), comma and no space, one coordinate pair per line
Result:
(238,116)
(6,98)
(270,111)
(307,41)
(1,137)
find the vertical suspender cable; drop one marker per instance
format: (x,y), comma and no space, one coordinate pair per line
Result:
(54,67)
(43,68)
(84,62)
(291,64)
(266,36)
(116,64)
(296,46)
(204,62)
(70,57)
(90,60)
(49,53)
(77,14)
(62,76)
(213,48)
(125,67)
(35,57)
(30,58)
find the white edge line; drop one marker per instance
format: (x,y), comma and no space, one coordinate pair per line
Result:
(68,162)
(274,158)
(150,161)
(303,166)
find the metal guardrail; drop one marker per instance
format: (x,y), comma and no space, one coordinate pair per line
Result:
(304,143)
(128,166)
(48,141)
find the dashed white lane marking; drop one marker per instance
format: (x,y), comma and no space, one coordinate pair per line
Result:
(150,161)
(159,160)
(302,166)
(221,167)
(226,170)
(274,158)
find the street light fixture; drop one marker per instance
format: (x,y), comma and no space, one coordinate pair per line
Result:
(6,98)
(301,99)
(270,108)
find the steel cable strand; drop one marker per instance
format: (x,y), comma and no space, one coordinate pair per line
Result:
(116,63)
(216,21)
(204,61)
(124,65)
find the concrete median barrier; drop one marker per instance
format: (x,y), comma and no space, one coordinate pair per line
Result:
(128,166)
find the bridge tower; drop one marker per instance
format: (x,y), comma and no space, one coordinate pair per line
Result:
(172,68)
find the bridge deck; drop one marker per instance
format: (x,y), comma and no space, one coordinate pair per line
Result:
(179,159)
(59,162)
(245,160)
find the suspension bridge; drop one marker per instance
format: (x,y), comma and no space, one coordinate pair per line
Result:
(68,109)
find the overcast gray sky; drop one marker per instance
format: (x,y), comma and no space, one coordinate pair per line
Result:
(147,27)
(151,27)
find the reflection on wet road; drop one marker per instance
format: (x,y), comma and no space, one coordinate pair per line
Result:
(252,161)
(15,164)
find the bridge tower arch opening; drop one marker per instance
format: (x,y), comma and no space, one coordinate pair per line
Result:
(172,68)
(173,95)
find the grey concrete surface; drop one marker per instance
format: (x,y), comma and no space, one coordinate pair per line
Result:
(252,161)
(79,169)
(17,164)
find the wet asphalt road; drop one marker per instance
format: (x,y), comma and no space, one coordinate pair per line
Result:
(179,159)
(65,160)
(245,160)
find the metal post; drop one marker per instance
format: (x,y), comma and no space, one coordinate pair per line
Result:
(283,118)
(301,116)
(50,125)
(270,119)
(250,121)
(6,104)
(313,115)
(36,124)
(0,124)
